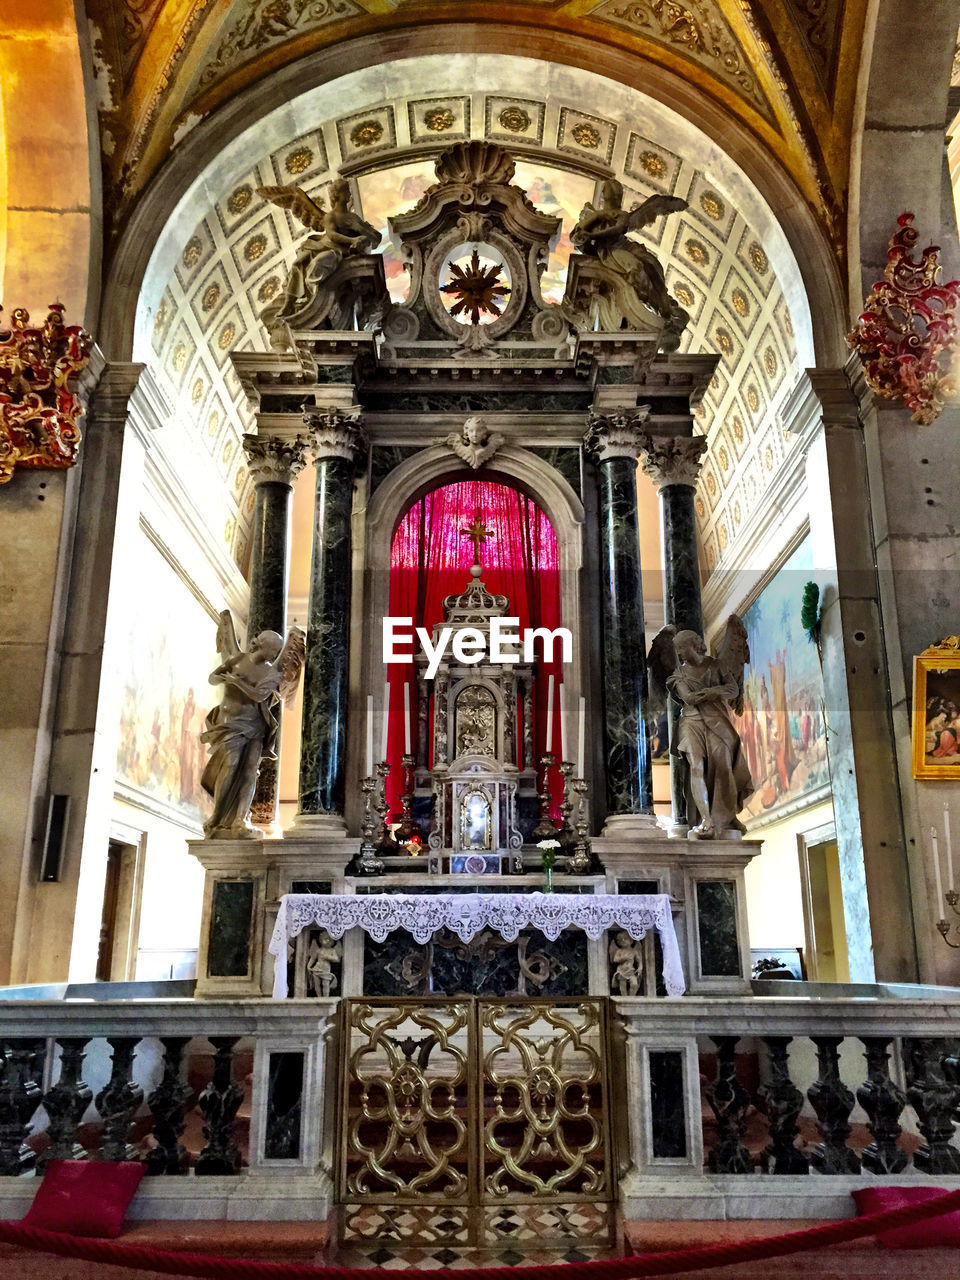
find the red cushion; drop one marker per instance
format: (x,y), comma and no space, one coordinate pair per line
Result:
(930,1234)
(85,1197)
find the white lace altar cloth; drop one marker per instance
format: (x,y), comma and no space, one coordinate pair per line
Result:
(465,914)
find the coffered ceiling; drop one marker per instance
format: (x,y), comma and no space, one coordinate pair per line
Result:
(782,71)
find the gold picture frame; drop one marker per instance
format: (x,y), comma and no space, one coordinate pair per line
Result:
(936,711)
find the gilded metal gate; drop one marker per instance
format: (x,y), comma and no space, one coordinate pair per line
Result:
(475,1121)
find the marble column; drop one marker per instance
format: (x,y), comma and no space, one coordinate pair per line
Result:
(614,441)
(274,465)
(336,440)
(673,464)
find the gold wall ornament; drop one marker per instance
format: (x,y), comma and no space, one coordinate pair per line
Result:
(907,332)
(38,412)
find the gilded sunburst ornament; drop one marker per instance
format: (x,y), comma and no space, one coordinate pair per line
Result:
(478,290)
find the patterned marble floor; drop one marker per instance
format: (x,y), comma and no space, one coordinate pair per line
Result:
(397,1258)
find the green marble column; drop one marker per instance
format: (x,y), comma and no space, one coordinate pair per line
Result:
(274,465)
(336,441)
(673,464)
(613,439)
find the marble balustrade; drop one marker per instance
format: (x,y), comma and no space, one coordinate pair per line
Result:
(714,1089)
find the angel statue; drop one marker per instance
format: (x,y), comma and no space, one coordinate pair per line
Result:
(337,233)
(241,731)
(707,688)
(602,233)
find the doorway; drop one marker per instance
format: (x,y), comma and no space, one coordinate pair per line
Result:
(120,917)
(823,918)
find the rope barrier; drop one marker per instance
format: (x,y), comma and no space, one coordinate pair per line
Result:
(671,1262)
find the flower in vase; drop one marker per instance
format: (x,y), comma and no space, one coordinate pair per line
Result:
(548,853)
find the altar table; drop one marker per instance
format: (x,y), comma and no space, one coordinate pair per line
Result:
(465,914)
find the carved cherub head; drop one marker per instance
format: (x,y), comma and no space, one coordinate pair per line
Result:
(611,194)
(475,431)
(266,646)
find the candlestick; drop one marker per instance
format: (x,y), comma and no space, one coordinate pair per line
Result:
(936,870)
(561,693)
(406,718)
(581,737)
(384,728)
(369,769)
(951,870)
(546,828)
(548,745)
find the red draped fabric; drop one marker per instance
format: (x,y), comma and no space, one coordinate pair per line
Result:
(431,559)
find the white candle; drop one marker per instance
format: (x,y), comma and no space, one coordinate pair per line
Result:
(369,772)
(951,873)
(936,871)
(581,737)
(561,693)
(384,728)
(549,743)
(406,718)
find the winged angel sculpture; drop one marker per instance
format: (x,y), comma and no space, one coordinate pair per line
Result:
(707,688)
(242,730)
(337,233)
(603,232)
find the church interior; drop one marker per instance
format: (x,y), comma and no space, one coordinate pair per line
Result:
(480,563)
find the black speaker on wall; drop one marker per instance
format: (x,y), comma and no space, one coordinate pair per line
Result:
(57,807)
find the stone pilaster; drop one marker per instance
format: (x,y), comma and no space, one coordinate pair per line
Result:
(614,440)
(274,465)
(336,440)
(673,464)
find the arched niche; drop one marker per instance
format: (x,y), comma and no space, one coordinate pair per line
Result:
(376,523)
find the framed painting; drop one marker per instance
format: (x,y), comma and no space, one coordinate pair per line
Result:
(936,711)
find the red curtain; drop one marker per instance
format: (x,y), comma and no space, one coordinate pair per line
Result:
(431,558)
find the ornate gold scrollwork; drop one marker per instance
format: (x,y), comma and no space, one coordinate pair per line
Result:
(407,1134)
(38,413)
(545,1073)
(428,1081)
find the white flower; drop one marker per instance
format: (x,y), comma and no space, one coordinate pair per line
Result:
(548,844)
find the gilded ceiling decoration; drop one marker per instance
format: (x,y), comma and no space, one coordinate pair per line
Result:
(699,32)
(227,267)
(778,70)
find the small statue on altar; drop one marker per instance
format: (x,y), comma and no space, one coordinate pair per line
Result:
(707,687)
(322,954)
(638,282)
(475,443)
(338,233)
(627,958)
(241,731)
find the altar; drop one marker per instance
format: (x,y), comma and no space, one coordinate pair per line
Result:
(468,914)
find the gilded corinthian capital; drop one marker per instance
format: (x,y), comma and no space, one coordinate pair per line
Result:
(618,434)
(672,459)
(336,433)
(274,461)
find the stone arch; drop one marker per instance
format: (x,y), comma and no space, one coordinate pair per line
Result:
(204,142)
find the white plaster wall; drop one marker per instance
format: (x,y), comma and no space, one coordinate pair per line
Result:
(774,895)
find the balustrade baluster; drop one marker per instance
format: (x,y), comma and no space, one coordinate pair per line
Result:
(833,1102)
(65,1104)
(219,1103)
(167,1104)
(934,1098)
(729,1101)
(19,1099)
(883,1100)
(118,1101)
(782,1104)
